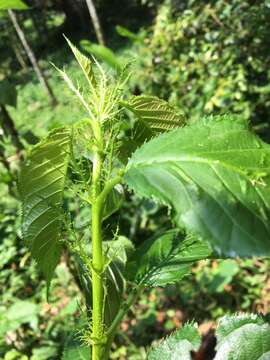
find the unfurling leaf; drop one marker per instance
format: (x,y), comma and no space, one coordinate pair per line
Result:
(165,259)
(178,345)
(84,62)
(41,186)
(215,174)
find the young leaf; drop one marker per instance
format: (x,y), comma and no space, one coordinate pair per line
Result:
(156,114)
(84,62)
(243,337)
(41,185)
(165,259)
(178,345)
(215,174)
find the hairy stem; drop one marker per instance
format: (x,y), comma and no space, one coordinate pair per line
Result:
(97,257)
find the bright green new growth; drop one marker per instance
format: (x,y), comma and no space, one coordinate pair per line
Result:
(214,175)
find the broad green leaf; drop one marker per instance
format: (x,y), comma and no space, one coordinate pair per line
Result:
(41,185)
(178,345)
(84,62)
(12,5)
(165,259)
(156,114)
(103,53)
(243,337)
(8,93)
(215,175)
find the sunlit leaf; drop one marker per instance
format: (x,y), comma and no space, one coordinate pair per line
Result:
(215,175)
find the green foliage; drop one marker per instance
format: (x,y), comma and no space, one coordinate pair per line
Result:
(165,259)
(238,337)
(8,93)
(41,184)
(243,336)
(21,312)
(178,345)
(214,174)
(209,57)
(13,5)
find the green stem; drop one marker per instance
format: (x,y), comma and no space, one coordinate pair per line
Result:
(97,254)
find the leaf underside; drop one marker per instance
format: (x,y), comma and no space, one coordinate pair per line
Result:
(155,113)
(215,176)
(243,337)
(165,259)
(154,116)
(41,186)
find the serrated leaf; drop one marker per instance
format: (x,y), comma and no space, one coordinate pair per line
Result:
(41,186)
(215,174)
(12,5)
(243,337)
(165,259)
(84,62)
(178,345)
(156,114)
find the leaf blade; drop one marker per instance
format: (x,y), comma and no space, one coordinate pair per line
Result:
(165,259)
(243,337)
(216,176)
(41,186)
(178,345)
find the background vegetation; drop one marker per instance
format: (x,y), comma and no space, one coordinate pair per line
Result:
(204,57)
